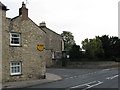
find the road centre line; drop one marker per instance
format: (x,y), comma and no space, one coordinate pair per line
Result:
(78,76)
(81,75)
(87,74)
(75,76)
(105,69)
(66,78)
(112,77)
(71,77)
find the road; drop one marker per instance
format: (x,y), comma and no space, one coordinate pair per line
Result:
(85,79)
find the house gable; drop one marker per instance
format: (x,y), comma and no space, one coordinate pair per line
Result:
(32,60)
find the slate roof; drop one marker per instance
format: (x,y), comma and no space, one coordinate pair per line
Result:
(45,29)
(3,7)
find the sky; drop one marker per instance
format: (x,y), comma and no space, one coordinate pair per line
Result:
(83,18)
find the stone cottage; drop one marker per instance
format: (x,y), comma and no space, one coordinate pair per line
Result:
(54,45)
(21,57)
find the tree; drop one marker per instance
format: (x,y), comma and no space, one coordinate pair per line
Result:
(75,52)
(114,46)
(117,48)
(68,39)
(93,47)
(111,46)
(105,45)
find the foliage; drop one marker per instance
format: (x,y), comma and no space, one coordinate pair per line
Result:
(98,48)
(111,46)
(75,52)
(93,47)
(104,46)
(68,39)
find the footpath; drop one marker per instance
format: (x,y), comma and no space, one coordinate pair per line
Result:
(21,84)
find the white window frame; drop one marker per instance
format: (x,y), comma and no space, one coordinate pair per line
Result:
(53,55)
(13,44)
(15,66)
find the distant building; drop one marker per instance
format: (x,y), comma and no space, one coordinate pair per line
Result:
(54,45)
(21,59)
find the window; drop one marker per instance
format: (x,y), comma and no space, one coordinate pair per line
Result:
(53,55)
(14,39)
(62,45)
(15,68)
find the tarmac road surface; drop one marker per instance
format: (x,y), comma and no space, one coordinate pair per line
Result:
(85,79)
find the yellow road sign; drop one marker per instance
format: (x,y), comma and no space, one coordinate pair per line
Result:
(40,47)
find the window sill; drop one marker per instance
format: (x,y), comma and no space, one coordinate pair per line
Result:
(16,74)
(15,45)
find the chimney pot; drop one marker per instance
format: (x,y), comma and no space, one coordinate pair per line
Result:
(23,5)
(43,24)
(23,11)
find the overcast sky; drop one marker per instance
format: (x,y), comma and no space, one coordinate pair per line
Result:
(84,18)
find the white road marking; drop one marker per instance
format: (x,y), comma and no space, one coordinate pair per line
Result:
(112,77)
(86,84)
(114,68)
(95,83)
(65,75)
(66,78)
(105,69)
(75,76)
(70,77)
(80,75)
(99,82)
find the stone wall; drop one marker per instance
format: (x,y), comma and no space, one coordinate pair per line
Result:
(3,39)
(2,19)
(92,65)
(0,45)
(48,59)
(33,61)
(55,45)
(54,41)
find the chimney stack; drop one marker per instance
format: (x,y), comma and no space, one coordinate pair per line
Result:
(23,11)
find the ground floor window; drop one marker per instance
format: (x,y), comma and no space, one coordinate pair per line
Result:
(53,55)
(15,68)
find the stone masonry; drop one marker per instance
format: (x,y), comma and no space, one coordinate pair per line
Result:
(54,45)
(3,10)
(33,61)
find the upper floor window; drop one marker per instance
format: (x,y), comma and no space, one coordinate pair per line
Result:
(15,39)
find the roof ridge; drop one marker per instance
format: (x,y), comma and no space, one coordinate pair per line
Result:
(50,30)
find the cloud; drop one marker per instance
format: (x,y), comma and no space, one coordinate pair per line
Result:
(84,18)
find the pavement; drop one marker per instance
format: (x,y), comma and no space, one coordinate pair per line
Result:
(21,84)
